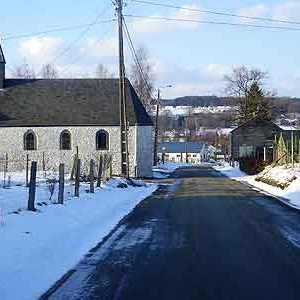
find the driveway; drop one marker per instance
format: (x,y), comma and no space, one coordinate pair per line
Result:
(203,236)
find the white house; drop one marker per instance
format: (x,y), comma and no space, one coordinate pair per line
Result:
(195,152)
(52,117)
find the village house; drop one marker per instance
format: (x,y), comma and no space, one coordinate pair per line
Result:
(52,117)
(257,137)
(192,152)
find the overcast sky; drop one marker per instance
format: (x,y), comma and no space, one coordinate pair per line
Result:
(193,57)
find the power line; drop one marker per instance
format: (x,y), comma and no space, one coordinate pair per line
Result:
(216,12)
(137,62)
(61,29)
(78,57)
(79,37)
(216,23)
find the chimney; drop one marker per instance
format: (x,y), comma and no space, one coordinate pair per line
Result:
(2,69)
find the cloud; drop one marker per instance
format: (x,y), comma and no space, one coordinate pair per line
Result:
(287,10)
(100,48)
(252,11)
(154,26)
(217,70)
(191,80)
(39,50)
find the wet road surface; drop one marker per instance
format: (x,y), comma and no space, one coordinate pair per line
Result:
(203,237)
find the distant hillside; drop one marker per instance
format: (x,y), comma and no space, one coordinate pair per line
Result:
(197,101)
(278,104)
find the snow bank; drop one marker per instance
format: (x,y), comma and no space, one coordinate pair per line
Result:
(280,174)
(169,167)
(38,248)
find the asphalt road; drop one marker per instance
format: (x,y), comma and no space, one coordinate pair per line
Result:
(203,237)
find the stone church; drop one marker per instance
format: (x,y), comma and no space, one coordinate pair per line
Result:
(52,117)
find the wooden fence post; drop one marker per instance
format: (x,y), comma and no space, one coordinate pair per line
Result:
(99,175)
(77,178)
(61,184)
(27,170)
(92,190)
(76,157)
(32,186)
(5,169)
(44,165)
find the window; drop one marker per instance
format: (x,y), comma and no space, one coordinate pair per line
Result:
(102,140)
(65,140)
(245,151)
(30,141)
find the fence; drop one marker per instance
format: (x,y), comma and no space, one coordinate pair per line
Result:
(286,150)
(98,171)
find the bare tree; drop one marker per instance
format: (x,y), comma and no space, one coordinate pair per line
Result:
(49,72)
(102,72)
(142,76)
(23,71)
(242,83)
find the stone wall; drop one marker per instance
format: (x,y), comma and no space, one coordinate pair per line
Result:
(48,142)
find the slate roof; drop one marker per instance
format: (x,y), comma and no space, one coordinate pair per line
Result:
(279,127)
(179,147)
(67,102)
(2,58)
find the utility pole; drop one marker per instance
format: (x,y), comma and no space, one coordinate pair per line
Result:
(156,125)
(122,94)
(156,130)
(292,150)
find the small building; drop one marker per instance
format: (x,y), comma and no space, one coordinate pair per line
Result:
(192,152)
(49,119)
(257,137)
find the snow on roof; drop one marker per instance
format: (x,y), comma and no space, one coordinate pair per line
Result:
(288,128)
(225,131)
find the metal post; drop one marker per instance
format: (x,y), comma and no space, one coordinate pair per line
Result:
(156,130)
(27,170)
(77,178)
(92,176)
(292,147)
(99,175)
(186,150)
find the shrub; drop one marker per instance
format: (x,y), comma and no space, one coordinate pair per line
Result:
(252,165)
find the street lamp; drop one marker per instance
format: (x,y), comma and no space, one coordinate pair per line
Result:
(156,124)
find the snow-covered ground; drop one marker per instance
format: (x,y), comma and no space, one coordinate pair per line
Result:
(280,174)
(164,170)
(36,249)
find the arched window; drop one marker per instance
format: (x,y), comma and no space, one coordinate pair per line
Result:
(102,140)
(30,141)
(65,140)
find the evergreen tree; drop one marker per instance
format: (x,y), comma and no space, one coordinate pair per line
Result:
(246,85)
(256,102)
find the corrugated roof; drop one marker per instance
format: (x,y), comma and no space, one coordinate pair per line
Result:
(181,147)
(61,102)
